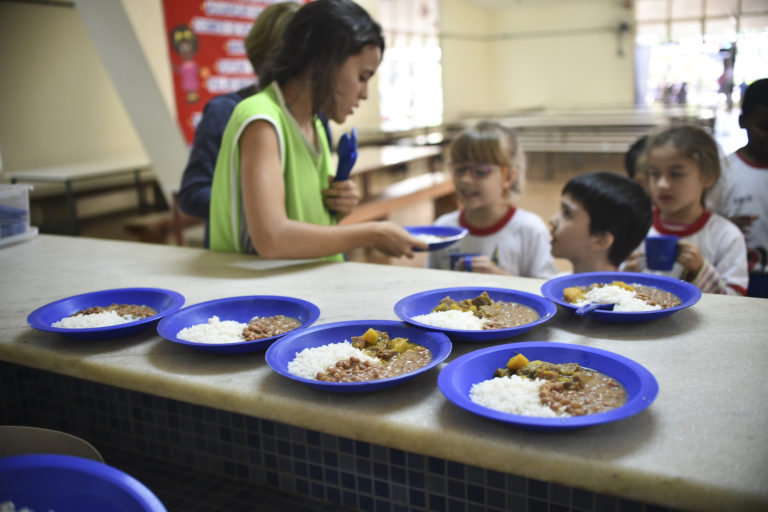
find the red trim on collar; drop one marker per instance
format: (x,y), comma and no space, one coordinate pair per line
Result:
(685,230)
(749,162)
(490,229)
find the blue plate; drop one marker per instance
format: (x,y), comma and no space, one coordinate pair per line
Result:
(65,483)
(449,235)
(688,293)
(163,301)
(239,309)
(285,350)
(459,375)
(423,303)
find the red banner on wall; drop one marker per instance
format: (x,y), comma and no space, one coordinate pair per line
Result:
(205,42)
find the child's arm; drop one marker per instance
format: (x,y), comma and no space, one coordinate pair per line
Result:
(704,275)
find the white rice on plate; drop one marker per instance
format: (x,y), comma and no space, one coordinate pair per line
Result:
(624,300)
(311,361)
(214,331)
(103,319)
(452,319)
(513,394)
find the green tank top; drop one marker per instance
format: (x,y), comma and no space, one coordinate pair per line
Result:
(305,173)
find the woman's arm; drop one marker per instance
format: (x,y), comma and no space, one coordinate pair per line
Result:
(274,235)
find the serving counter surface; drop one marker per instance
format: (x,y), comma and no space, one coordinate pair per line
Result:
(703,444)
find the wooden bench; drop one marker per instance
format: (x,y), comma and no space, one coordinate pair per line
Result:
(433,186)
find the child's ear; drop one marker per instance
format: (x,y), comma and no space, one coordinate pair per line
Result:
(512,176)
(708,182)
(602,241)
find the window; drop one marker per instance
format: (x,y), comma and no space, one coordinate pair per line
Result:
(696,46)
(410,76)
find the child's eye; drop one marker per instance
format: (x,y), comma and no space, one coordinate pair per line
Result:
(483,170)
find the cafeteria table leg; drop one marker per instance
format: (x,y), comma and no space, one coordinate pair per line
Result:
(143,205)
(74,226)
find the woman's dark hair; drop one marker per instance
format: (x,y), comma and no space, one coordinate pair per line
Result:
(615,204)
(319,38)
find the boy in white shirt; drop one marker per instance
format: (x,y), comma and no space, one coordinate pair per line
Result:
(741,195)
(603,217)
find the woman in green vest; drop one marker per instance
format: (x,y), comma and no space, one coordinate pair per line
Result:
(272,189)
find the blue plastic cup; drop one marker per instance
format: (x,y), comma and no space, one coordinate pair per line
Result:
(661,252)
(465,258)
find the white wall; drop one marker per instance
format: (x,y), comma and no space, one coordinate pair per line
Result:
(535,54)
(466,58)
(57,101)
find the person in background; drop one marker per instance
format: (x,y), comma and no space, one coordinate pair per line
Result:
(603,217)
(260,43)
(741,195)
(683,165)
(488,167)
(635,169)
(272,190)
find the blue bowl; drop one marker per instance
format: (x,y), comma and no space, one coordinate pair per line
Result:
(284,351)
(163,301)
(423,303)
(688,293)
(457,378)
(450,235)
(239,309)
(65,483)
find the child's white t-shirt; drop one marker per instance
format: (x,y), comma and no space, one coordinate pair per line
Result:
(743,190)
(520,244)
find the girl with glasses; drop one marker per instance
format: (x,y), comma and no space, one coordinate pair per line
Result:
(488,168)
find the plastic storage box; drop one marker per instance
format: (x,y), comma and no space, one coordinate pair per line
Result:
(14,214)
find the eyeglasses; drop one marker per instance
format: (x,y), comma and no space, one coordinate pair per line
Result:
(477,171)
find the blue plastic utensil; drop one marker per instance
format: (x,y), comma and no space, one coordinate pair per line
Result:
(587,308)
(347,155)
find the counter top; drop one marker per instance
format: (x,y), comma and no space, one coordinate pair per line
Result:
(703,444)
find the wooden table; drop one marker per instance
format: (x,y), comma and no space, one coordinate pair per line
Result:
(394,177)
(70,174)
(391,159)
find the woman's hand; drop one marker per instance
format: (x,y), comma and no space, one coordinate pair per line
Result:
(393,240)
(341,196)
(689,256)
